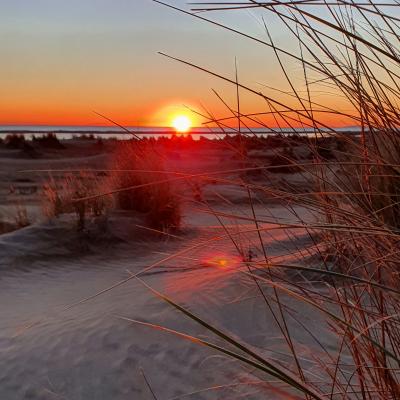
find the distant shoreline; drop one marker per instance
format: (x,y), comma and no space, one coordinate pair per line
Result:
(156,131)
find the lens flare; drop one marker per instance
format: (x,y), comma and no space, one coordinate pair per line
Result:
(222,261)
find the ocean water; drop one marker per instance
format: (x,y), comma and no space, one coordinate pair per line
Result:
(65,132)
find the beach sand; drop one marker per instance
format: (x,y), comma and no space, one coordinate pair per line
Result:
(52,346)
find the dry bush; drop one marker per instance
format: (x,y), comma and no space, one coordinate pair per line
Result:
(14,141)
(12,222)
(143,186)
(49,141)
(21,217)
(75,193)
(285,162)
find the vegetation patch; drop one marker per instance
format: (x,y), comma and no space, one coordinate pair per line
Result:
(142,184)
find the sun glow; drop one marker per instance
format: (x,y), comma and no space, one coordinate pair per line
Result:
(182,123)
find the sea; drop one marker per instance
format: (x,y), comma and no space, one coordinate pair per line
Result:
(69,132)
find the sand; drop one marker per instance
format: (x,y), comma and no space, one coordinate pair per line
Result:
(51,351)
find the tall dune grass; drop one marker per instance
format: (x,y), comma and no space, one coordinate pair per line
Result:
(352,50)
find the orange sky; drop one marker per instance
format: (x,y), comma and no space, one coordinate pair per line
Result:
(61,61)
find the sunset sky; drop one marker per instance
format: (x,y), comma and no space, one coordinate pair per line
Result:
(62,60)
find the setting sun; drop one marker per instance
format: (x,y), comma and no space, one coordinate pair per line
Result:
(181,123)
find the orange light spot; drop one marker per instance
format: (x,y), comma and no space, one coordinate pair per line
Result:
(222,262)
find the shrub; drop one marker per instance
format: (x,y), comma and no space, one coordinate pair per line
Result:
(21,217)
(49,141)
(284,162)
(10,223)
(140,168)
(29,150)
(75,193)
(14,141)
(85,137)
